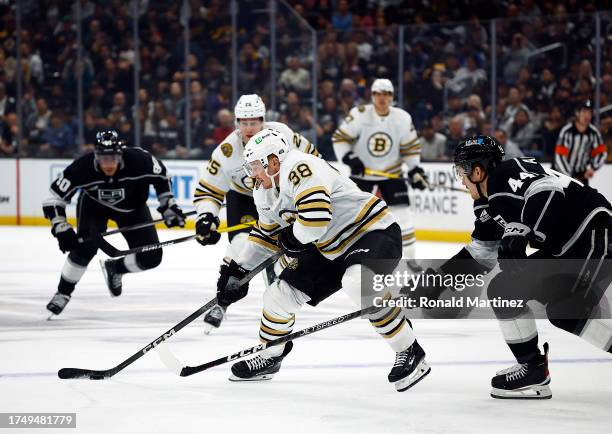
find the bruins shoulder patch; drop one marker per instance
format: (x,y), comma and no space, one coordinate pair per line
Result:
(227,150)
(361,108)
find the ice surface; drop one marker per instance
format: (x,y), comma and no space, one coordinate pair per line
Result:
(334,381)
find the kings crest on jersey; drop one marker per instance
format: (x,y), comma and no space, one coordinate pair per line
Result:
(325,208)
(521,190)
(123,192)
(224,171)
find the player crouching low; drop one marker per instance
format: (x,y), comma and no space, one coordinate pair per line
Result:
(569,223)
(326,227)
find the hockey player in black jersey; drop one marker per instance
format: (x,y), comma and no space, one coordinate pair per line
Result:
(562,218)
(113,184)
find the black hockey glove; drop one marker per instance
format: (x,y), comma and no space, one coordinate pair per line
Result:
(172,214)
(511,252)
(228,290)
(417,178)
(66,237)
(431,287)
(356,165)
(206,229)
(290,245)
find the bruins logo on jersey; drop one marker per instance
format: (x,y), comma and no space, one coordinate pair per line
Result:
(227,150)
(248,182)
(379,144)
(246,218)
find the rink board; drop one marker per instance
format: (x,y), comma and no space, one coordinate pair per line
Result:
(440,214)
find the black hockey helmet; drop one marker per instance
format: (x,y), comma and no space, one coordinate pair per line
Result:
(483,150)
(108,143)
(584,105)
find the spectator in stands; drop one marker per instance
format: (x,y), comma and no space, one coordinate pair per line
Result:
(290,111)
(38,122)
(522,130)
(58,137)
(455,134)
(225,126)
(511,148)
(550,130)
(342,19)
(7,139)
(547,84)
(295,78)
(433,144)
(7,103)
(515,103)
(120,105)
(175,102)
(516,57)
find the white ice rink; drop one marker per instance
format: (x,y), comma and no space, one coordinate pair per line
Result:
(334,381)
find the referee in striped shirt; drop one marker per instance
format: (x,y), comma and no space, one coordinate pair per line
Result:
(580,149)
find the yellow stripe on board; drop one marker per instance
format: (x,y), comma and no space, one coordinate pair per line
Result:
(422,235)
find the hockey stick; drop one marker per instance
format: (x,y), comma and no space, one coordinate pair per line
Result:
(68,373)
(113,252)
(133,227)
(174,365)
(395,176)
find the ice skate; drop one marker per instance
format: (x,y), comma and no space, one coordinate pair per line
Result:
(409,367)
(259,368)
(524,380)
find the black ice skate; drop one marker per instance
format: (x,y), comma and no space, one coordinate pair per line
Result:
(58,303)
(259,368)
(409,367)
(524,381)
(213,318)
(113,279)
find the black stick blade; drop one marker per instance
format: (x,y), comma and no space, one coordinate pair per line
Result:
(74,373)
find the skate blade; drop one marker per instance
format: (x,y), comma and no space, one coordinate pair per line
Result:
(208,328)
(421,371)
(540,391)
(263,377)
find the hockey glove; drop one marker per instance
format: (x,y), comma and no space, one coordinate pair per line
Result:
(290,245)
(66,237)
(228,290)
(430,287)
(356,165)
(511,252)
(206,229)
(417,178)
(172,214)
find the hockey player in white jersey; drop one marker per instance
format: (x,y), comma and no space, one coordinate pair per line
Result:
(224,179)
(380,145)
(326,227)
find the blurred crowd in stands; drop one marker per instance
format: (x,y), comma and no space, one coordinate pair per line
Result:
(544,57)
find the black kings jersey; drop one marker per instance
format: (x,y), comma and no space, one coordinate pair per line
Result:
(125,191)
(554,206)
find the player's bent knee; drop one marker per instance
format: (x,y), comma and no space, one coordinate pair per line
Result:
(150,259)
(282,299)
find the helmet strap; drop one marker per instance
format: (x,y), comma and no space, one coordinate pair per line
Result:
(478,183)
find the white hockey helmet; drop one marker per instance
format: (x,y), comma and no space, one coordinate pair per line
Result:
(382,85)
(263,144)
(249,107)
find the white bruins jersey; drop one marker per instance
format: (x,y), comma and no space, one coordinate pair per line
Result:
(383,143)
(324,206)
(225,172)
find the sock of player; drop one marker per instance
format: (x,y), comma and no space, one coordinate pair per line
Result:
(280,302)
(390,323)
(71,274)
(403,215)
(521,335)
(129,264)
